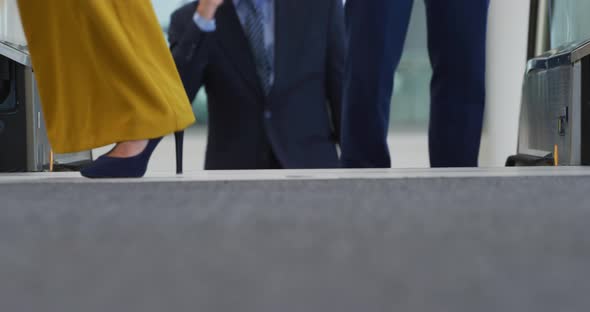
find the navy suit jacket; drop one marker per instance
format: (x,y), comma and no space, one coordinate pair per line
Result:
(299,121)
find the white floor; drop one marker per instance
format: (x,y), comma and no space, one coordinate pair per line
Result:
(327,174)
(408,150)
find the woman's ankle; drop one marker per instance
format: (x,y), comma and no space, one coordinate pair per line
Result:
(128,149)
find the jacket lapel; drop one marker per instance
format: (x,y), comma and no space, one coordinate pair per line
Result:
(235,44)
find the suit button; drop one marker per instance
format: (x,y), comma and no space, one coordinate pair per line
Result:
(267,114)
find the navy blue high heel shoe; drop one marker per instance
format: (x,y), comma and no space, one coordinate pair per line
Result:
(131,167)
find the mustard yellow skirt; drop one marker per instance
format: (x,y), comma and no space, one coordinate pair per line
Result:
(104,71)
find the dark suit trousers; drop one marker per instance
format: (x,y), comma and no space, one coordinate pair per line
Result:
(457,44)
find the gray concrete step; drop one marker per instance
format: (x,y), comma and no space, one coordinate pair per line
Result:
(418,240)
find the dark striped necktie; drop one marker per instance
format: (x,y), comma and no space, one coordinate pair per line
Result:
(254,29)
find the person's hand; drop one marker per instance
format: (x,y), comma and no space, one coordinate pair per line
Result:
(207,8)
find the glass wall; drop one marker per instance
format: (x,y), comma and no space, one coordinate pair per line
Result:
(164,8)
(569,21)
(411,100)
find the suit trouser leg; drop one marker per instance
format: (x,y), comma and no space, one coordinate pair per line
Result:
(457,45)
(377,31)
(273,161)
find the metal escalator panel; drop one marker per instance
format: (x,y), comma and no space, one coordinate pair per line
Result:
(13,132)
(552,105)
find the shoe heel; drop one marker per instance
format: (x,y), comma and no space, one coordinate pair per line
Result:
(179,137)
